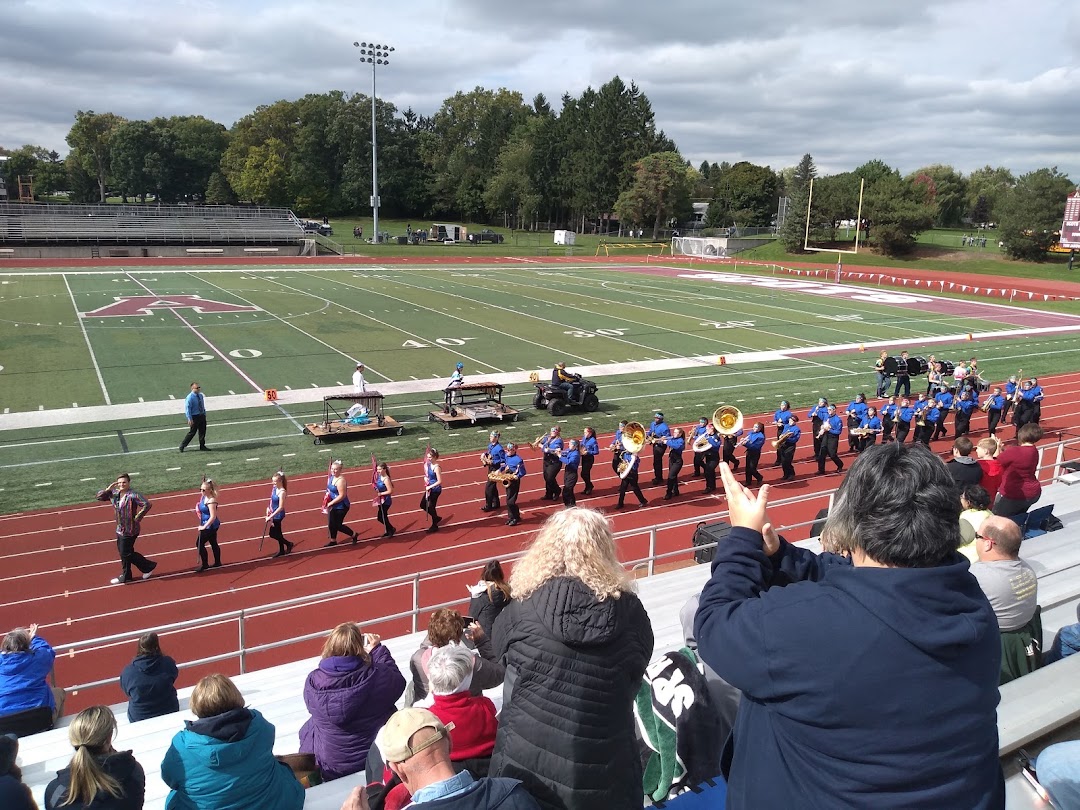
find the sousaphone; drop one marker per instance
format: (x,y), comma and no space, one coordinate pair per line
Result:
(728,420)
(633,439)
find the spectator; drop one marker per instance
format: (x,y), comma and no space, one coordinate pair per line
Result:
(448,627)
(1020,486)
(26,663)
(149,681)
(1008,582)
(98,777)
(350,695)
(976,506)
(725,697)
(1065,643)
(987,450)
(489,596)
(830,718)
(576,641)
(225,758)
(1058,767)
(14,794)
(963,468)
(471,718)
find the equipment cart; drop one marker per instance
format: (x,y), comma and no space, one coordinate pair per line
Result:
(347,415)
(469,403)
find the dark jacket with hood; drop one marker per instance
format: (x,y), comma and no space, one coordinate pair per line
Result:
(487,606)
(150,685)
(574,665)
(349,701)
(122,767)
(862,686)
(226,762)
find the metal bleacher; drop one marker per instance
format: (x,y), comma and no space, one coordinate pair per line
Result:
(49,225)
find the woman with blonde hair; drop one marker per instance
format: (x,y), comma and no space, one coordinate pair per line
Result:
(98,776)
(575,641)
(207,510)
(225,757)
(350,696)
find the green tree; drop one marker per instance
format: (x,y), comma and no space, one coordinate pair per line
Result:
(744,194)
(899,210)
(991,183)
(218,191)
(950,193)
(265,177)
(660,191)
(510,189)
(135,161)
(90,139)
(42,164)
(1031,213)
(797,189)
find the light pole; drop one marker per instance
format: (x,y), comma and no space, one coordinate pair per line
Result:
(374,55)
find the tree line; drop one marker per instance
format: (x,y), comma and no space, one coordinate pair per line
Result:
(488,156)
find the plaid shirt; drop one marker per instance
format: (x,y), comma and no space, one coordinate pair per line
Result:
(130,508)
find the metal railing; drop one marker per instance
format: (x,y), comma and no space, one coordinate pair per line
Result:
(414,581)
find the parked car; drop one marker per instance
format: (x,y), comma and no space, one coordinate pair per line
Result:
(486,235)
(312,226)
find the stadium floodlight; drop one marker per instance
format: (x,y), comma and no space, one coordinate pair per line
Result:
(374,54)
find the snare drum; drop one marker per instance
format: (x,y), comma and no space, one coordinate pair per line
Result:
(947,369)
(892,365)
(917,366)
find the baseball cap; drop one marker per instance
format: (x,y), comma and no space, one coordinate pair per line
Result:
(393,738)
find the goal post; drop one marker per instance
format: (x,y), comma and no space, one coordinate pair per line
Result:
(858,223)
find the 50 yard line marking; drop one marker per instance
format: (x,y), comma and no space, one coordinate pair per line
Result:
(86,337)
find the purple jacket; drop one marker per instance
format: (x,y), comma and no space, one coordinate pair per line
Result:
(349,702)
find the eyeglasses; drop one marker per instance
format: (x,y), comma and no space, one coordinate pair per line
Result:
(984,537)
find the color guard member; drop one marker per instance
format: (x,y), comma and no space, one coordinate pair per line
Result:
(432,488)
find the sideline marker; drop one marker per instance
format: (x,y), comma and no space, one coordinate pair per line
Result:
(970,336)
(862,348)
(721,361)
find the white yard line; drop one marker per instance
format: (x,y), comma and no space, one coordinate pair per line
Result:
(89,348)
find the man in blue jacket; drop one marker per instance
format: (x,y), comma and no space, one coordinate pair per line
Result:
(870,678)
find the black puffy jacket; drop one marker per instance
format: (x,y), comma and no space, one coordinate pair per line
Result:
(122,767)
(486,607)
(574,665)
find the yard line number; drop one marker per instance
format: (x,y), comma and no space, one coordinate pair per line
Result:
(239,354)
(581,333)
(443,341)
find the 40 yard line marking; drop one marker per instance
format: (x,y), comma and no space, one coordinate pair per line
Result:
(86,337)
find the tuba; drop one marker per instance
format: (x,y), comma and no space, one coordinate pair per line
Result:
(728,420)
(633,439)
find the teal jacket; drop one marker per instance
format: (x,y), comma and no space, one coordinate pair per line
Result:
(226,762)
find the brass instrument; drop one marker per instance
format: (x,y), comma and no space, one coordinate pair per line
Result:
(781,438)
(622,467)
(485,459)
(728,420)
(503,478)
(701,444)
(536,444)
(860,431)
(985,407)
(1019,386)
(633,439)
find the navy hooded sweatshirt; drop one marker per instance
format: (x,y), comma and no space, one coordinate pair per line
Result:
(862,687)
(150,685)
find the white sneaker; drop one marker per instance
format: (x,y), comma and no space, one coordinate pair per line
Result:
(147,575)
(117,581)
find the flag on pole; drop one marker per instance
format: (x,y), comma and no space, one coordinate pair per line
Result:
(326,498)
(375,481)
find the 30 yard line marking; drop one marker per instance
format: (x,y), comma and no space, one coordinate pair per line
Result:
(89,348)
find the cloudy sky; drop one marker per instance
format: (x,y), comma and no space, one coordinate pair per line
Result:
(910,82)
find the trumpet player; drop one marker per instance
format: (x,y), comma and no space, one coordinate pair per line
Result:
(1011,386)
(965,406)
(780,420)
(888,419)
(514,465)
(699,455)
(786,446)
(829,433)
(994,407)
(616,448)
(1027,406)
(590,449)
(904,414)
(628,473)
(571,460)
(492,459)
(754,441)
(944,404)
(657,432)
(675,444)
(818,414)
(926,422)
(552,446)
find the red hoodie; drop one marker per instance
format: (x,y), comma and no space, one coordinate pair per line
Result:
(474,722)
(991,480)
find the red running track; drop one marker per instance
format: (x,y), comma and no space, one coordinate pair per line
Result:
(57,563)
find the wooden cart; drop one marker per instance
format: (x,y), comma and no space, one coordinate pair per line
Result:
(338,424)
(470,403)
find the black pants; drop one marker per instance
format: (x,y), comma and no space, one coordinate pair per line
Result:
(852,439)
(962,424)
(939,426)
(902,429)
(886,430)
(275,533)
(829,445)
(816,427)
(198,425)
(631,483)
(902,382)
(569,481)
(208,536)
(867,441)
(674,467)
(125,544)
(993,418)
(491,495)
(699,463)
(1008,406)
(428,503)
(752,459)
(729,453)
(924,432)
(787,459)
(658,451)
(1025,413)
(616,459)
(383,516)
(712,461)
(552,465)
(587,461)
(1007,507)
(512,490)
(335,522)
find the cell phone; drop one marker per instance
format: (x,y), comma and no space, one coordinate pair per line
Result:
(1027,768)
(468,620)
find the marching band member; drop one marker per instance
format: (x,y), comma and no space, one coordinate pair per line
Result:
(829,433)
(903,377)
(513,463)
(571,460)
(995,407)
(780,420)
(921,406)
(731,441)
(697,433)
(712,457)
(675,444)
(495,456)
(629,478)
(207,509)
(871,428)
(616,448)
(904,414)
(930,415)
(944,405)
(788,439)
(1026,404)
(753,443)
(818,414)
(658,430)
(275,512)
(552,446)
(856,411)
(879,374)
(590,449)
(933,376)
(888,419)
(1010,398)
(384,499)
(432,488)
(965,406)
(1037,398)
(457,379)
(338,505)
